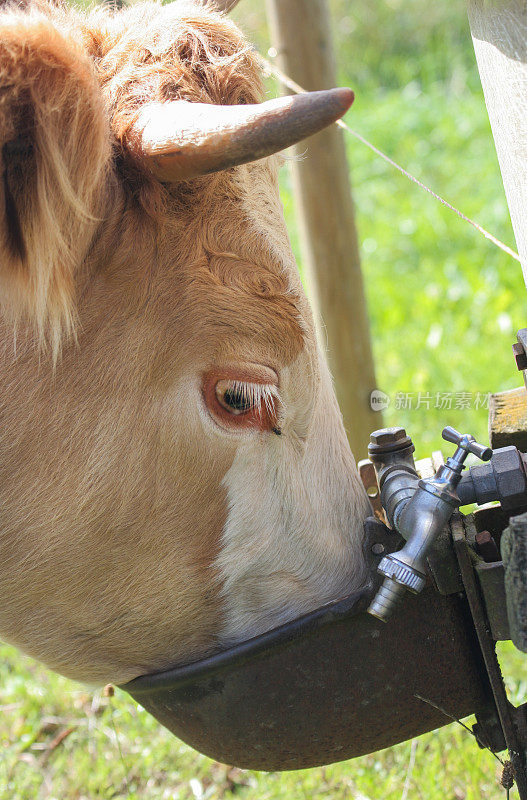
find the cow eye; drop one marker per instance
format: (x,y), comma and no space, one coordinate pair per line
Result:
(236,397)
(235,401)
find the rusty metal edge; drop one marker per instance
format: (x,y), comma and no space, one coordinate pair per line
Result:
(238,654)
(488,651)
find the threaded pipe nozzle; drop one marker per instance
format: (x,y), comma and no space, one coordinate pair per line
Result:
(387,597)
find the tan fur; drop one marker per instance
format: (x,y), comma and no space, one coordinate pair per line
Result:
(120,546)
(49,99)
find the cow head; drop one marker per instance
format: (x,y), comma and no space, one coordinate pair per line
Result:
(174,472)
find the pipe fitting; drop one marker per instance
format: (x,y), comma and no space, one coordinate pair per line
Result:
(504,478)
(391,453)
(419,509)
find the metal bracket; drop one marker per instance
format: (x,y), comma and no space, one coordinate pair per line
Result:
(442,561)
(514,550)
(520,352)
(515,735)
(368,477)
(377,542)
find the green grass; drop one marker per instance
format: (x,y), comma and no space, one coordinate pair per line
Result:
(444,307)
(444,302)
(116,750)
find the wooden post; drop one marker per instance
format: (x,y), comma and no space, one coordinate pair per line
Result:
(499,33)
(301,34)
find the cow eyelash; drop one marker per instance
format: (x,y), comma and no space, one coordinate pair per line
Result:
(235,402)
(241,397)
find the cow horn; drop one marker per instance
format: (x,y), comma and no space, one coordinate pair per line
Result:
(180,140)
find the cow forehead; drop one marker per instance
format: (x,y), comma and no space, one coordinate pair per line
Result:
(236,306)
(229,281)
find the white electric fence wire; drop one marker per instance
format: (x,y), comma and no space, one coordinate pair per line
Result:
(273,70)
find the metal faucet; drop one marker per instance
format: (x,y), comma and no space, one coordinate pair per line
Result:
(417,509)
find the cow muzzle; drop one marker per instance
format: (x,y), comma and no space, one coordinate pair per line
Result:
(334,684)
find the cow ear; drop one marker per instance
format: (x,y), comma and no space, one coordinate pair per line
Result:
(55,152)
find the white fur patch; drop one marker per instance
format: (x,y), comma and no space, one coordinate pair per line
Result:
(293,536)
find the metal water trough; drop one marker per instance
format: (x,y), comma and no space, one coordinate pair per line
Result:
(329,686)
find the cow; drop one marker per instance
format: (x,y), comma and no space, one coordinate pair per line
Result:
(174,472)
